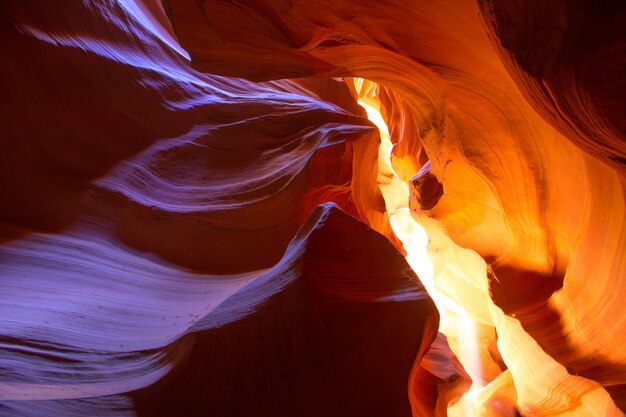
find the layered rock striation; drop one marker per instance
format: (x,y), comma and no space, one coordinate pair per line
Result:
(158,159)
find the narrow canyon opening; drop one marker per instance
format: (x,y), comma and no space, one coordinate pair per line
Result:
(198,218)
(407,223)
(503,366)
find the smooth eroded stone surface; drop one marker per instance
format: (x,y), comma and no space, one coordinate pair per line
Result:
(140,194)
(575,78)
(333,329)
(527,149)
(146,182)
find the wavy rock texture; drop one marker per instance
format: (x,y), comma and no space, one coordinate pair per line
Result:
(575,80)
(148,202)
(143,203)
(545,215)
(320,339)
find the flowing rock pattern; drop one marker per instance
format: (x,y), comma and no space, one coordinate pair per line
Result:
(158,159)
(545,215)
(576,78)
(144,201)
(320,340)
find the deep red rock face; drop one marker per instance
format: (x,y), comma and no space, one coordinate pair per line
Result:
(575,80)
(142,204)
(314,336)
(196,219)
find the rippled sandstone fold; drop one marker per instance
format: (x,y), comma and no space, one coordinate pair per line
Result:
(146,183)
(567,57)
(537,192)
(333,329)
(140,195)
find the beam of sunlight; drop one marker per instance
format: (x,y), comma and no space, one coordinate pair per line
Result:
(456,279)
(455,323)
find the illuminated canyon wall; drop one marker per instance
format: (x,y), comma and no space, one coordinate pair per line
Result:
(318,208)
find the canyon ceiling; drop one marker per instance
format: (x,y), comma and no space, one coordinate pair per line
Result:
(313,208)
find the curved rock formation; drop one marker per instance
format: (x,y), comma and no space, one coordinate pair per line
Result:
(139,199)
(316,335)
(575,78)
(514,186)
(159,158)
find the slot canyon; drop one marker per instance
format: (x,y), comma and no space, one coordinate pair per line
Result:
(313,208)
